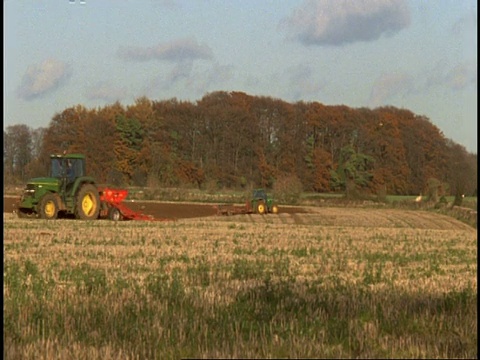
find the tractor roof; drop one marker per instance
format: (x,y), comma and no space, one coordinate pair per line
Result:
(259,193)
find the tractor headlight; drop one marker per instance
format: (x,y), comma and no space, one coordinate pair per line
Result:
(29,191)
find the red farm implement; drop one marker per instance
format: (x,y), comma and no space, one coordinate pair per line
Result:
(114,208)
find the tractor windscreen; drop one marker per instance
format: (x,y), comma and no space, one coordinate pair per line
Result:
(260,194)
(71,168)
(76,167)
(57,168)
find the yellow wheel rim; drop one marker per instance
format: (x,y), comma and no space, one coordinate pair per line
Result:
(275,210)
(88,204)
(261,208)
(50,209)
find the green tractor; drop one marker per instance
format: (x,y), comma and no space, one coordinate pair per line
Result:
(260,203)
(68,191)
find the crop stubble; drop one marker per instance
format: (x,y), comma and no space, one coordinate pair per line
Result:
(219,257)
(338,243)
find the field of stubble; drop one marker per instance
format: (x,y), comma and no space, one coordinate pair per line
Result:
(327,283)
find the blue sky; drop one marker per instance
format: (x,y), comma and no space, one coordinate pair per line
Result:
(418,55)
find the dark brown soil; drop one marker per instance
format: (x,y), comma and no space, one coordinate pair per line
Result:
(9,204)
(162,210)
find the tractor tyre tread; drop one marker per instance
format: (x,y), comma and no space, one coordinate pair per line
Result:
(47,199)
(91,191)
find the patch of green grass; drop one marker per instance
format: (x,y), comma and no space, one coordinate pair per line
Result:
(243,269)
(86,278)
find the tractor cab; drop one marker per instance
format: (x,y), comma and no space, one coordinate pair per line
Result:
(260,194)
(67,167)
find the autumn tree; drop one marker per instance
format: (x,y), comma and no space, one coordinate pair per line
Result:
(37,166)
(321,165)
(384,144)
(353,172)
(317,159)
(232,139)
(99,144)
(228,128)
(17,152)
(144,111)
(175,144)
(461,173)
(240,137)
(128,145)
(425,150)
(66,132)
(291,139)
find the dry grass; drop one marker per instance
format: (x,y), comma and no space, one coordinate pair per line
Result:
(329,283)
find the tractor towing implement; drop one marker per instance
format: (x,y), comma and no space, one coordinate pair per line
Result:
(69,191)
(259,203)
(114,207)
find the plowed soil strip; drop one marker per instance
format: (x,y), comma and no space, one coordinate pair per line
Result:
(348,217)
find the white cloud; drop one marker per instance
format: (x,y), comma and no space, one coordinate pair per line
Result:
(457,78)
(462,76)
(302,82)
(106,92)
(388,86)
(395,84)
(192,80)
(467,23)
(339,22)
(219,74)
(180,72)
(43,78)
(176,51)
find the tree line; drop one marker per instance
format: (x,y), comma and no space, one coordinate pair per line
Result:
(234,140)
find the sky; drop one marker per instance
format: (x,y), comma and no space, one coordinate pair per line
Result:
(416,55)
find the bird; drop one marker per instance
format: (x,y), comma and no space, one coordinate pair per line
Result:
(419,198)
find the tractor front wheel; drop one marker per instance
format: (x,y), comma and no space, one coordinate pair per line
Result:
(88,203)
(48,207)
(274,209)
(261,208)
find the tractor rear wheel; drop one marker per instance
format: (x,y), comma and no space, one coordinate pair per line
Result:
(274,209)
(87,206)
(261,208)
(48,207)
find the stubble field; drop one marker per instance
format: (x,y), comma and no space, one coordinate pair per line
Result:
(317,282)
